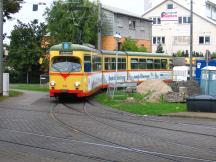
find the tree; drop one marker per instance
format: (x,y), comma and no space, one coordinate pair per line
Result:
(11,7)
(130,45)
(24,49)
(73,22)
(159,49)
(213,55)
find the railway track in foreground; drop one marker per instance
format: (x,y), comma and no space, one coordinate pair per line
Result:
(171,157)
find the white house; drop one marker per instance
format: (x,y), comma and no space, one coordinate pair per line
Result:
(171,27)
(211,9)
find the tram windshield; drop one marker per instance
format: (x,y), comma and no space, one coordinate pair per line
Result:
(66,64)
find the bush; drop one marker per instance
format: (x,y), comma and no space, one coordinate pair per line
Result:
(213,55)
(130,45)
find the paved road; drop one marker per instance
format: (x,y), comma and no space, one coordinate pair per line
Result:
(35,128)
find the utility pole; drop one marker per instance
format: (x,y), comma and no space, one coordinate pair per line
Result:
(191,40)
(99,25)
(1,47)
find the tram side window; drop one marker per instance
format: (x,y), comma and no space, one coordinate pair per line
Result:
(164,64)
(96,63)
(107,63)
(171,64)
(157,64)
(113,63)
(87,63)
(121,63)
(142,63)
(110,63)
(134,63)
(150,64)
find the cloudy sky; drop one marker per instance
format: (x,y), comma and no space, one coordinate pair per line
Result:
(26,14)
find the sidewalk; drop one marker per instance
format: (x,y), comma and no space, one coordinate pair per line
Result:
(194,115)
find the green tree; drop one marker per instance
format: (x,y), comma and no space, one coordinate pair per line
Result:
(213,55)
(11,7)
(130,45)
(73,22)
(24,49)
(159,49)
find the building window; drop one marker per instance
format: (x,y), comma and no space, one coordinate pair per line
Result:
(132,24)
(156,20)
(207,40)
(214,13)
(204,40)
(154,40)
(184,20)
(159,40)
(170,6)
(119,23)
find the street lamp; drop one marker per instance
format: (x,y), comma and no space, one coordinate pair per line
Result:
(191,39)
(117,37)
(1,47)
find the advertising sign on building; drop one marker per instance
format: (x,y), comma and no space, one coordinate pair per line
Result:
(169,16)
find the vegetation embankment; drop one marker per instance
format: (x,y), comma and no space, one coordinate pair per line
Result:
(30,87)
(12,93)
(138,105)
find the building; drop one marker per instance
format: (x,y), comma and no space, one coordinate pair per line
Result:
(171,27)
(129,25)
(211,9)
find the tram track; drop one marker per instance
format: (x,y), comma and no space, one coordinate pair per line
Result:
(50,137)
(149,126)
(59,151)
(164,155)
(152,119)
(103,140)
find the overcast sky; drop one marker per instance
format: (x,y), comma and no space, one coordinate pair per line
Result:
(26,14)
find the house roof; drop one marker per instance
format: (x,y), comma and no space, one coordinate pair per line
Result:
(196,12)
(123,12)
(211,1)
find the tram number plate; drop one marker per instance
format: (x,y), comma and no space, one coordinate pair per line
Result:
(66,53)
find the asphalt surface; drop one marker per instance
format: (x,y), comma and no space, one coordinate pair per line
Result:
(35,128)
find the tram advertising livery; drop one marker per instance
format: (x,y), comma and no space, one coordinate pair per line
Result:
(81,70)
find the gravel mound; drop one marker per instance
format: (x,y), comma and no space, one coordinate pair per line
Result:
(155,89)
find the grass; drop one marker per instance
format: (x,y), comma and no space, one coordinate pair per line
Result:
(11,94)
(144,108)
(30,87)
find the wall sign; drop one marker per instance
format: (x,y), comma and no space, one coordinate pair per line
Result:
(169,16)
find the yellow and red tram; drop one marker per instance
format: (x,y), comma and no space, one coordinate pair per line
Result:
(81,71)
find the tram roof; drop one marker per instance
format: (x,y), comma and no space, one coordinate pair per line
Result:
(71,47)
(135,53)
(148,54)
(112,52)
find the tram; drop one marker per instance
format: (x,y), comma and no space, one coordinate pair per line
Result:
(81,71)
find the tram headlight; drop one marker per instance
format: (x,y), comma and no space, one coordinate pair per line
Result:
(52,83)
(77,84)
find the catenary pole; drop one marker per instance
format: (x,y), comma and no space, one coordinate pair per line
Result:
(99,25)
(191,40)
(1,47)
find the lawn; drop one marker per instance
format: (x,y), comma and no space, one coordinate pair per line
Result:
(30,87)
(11,94)
(142,108)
